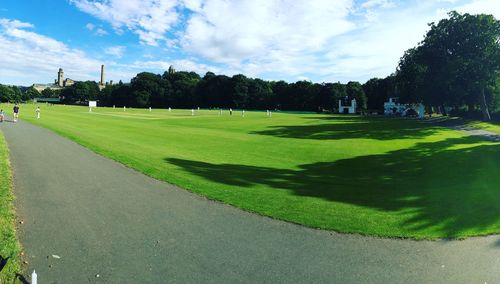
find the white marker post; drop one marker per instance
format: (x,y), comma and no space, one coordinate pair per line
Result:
(91,105)
(169,109)
(124,108)
(149,108)
(34,277)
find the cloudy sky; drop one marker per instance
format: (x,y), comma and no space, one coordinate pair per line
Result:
(316,40)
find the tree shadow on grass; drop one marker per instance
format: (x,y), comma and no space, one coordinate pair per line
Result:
(3,262)
(452,185)
(352,127)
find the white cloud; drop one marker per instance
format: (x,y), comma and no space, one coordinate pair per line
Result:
(325,41)
(90,26)
(116,51)
(265,36)
(149,19)
(97,31)
(100,32)
(14,24)
(28,57)
(237,31)
(377,3)
(481,7)
(193,5)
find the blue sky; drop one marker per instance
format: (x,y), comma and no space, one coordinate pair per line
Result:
(316,40)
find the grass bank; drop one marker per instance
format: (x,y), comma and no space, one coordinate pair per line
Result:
(9,247)
(488,126)
(366,175)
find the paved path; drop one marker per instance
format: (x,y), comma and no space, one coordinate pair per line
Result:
(478,132)
(104,219)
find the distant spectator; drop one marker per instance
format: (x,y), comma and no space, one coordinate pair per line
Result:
(16,112)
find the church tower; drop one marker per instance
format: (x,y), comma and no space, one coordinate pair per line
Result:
(60,78)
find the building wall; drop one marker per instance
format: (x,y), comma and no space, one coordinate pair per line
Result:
(41,87)
(68,82)
(351,109)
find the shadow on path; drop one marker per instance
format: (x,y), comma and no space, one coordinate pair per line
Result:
(452,184)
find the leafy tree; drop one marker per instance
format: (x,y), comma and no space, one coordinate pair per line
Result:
(239,94)
(378,91)
(30,94)
(281,90)
(184,85)
(215,91)
(260,95)
(7,94)
(456,63)
(50,93)
(106,95)
(80,92)
(143,86)
(355,90)
(122,95)
(326,97)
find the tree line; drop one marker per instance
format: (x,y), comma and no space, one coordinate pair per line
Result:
(456,66)
(189,90)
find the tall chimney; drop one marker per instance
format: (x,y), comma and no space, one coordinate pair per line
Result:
(102,74)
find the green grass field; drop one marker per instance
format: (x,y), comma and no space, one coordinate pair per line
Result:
(9,247)
(367,175)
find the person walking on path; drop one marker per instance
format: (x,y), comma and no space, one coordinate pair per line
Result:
(1,115)
(37,112)
(16,112)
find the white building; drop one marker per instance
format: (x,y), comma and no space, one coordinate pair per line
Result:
(347,106)
(393,107)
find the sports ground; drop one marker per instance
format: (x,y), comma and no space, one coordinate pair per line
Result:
(366,175)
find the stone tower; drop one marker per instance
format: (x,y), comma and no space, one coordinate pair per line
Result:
(60,77)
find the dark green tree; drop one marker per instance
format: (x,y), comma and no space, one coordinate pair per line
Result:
(80,92)
(455,64)
(355,90)
(7,94)
(378,91)
(31,93)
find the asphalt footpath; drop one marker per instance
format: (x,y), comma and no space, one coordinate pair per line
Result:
(83,218)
